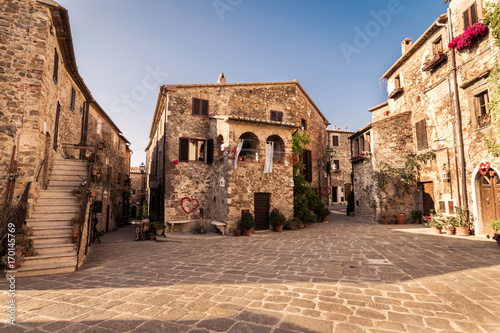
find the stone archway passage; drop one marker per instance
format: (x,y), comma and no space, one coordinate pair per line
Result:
(490,202)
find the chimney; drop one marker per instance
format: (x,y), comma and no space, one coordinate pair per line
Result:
(221,79)
(405,45)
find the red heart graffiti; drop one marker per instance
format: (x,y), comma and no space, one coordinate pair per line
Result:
(484,167)
(294,160)
(192,210)
(325,191)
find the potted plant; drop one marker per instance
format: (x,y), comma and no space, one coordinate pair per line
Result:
(18,260)
(435,222)
(462,224)
(25,231)
(277,219)
(323,213)
(495,225)
(159,227)
(384,219)
(75,226)
(101,144)
(29,249)
(449,225)
(247,223)
(237,232)
(416,215)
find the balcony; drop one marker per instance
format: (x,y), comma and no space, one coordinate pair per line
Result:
(361,157)
(433,63)
(396,93)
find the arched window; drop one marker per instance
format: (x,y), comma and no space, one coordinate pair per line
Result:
(250,148)
(279,147)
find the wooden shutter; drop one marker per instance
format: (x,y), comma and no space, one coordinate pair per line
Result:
(417,131)
(308,163)
(196,106)
(335,140)
(279,116)
(183,149)
(473,14)
(56,65)
(210,151)
(466,19)
(204,107)
(423,135)
(73,97)
(273,115)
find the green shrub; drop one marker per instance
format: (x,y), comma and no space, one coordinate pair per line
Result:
(247,221)
(276,217)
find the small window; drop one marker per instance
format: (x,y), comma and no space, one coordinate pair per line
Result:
(470,16)
(335,140)
(303,124)
(196,150)
(442,206)
(56,66)
(421,131)
(276,116)
(336,163)
(397,82)
(200,107)
(451,207)
(482,111)
(437,46)
(73,99)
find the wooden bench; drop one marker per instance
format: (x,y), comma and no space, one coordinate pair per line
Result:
(220,225)
(173,223)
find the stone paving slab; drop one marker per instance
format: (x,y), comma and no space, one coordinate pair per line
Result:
(348,275)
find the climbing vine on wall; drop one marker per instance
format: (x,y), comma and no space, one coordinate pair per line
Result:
(492,19)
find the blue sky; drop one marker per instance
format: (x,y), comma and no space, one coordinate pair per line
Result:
(126,49)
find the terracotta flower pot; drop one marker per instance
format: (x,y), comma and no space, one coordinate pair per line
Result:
(450,231)
(462,231)
(324,220)
(436,230)
(278,228)
(27,254)
(237,232)
(384,220)
(74,240)
(76,232)
(247,232)
(400,218)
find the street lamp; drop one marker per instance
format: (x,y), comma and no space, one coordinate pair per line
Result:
(142,167)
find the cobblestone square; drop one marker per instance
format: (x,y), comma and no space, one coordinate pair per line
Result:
(345,276)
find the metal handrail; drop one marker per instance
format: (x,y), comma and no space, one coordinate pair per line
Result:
(83,209)
(18,218)
(39,170)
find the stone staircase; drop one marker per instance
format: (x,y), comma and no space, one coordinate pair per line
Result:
(51,221)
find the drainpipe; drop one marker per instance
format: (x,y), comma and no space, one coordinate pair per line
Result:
(462,167)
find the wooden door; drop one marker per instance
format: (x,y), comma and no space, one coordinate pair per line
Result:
(347,190)
(262,204)
(428,198)
(334,194)
(490,202)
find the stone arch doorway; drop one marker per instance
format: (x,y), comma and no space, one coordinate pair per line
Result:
(488,201)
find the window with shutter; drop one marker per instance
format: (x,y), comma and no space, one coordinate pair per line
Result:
(276,116)
(200,107)
(470,16)
(337,165)
(335,140)
(73,99)
(482,111)
(183,149)
(421,131)
(56,66)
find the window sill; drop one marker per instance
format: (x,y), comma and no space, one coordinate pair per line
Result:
(434,62)
(395,93)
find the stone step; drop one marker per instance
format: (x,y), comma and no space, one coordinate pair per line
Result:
(40,223)
(69,183)
(61,188)
(49,259)
(56,207)
(67,215)
(55,248)
(52,230)
(46,269)
(66,200)
(55,194)
(80,178)
(51,240)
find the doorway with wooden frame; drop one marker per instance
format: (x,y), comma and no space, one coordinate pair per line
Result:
(489,200)
(428,201)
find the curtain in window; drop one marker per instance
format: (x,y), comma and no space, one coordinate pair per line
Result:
(268,163)
(237,153)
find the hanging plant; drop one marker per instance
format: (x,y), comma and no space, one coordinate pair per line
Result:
(464,41)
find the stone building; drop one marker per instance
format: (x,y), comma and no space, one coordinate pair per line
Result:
(138,188)
(421,91)
(207,150)
(339,154)
(45,110)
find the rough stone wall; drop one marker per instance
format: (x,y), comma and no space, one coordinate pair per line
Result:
(364,191)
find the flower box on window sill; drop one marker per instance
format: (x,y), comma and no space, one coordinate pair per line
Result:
(396,92)
(434,62)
